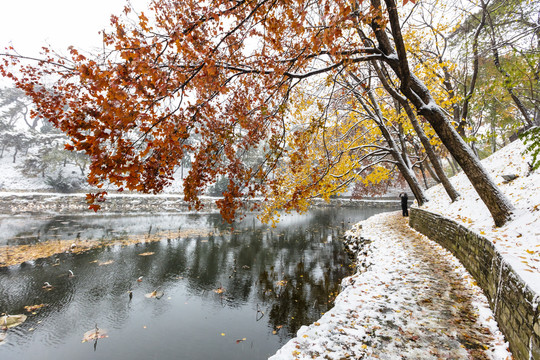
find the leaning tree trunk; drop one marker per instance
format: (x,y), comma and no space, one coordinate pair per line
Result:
(432,173)
(418,94)
(403,167)
(448,187)
(497,203)
(400,157)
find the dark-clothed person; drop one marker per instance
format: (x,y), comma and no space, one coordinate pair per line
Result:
(404,204)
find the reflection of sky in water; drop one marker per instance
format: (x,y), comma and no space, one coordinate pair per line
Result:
(28,229)
(288,273)
(18,230)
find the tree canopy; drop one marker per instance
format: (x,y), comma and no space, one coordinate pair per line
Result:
(214,81)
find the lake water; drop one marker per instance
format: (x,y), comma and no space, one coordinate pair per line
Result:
(227,293)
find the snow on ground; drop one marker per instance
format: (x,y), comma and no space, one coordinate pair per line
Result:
(519,240)
(409,299)
(12,178)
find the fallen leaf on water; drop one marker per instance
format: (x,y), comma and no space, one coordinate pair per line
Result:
(222,334)
(240,340)
(9,321)
(148,253)
(94,334)
(32,308)
(101,263)
(219,290)
(154,294)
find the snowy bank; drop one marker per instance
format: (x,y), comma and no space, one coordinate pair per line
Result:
(409,298)
(518,241)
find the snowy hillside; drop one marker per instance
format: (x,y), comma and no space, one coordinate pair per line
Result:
(13,178)
(519,240)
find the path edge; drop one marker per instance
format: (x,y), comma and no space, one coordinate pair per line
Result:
(513,302)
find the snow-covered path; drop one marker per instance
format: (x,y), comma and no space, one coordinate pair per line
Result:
(409,299)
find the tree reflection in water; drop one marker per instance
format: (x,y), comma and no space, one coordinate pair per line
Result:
(270,280)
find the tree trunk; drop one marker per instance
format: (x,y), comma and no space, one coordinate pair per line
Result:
(507,82)
(400,157)
(421,164)
(405,170)
(411,179)
(497,203)
(418,94)
(448,187)
(402,161)
(432,173)
(452,167)
(423,172)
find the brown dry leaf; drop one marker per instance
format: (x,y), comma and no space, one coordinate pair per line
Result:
(32,308)
(101,263)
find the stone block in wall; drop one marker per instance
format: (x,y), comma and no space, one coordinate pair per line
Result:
(513,302)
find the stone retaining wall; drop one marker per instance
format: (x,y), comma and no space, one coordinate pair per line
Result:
(46,203)
(513,302)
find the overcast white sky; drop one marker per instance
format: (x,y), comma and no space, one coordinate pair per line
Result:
(30,24)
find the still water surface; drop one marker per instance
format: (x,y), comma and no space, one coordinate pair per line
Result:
(249,282)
